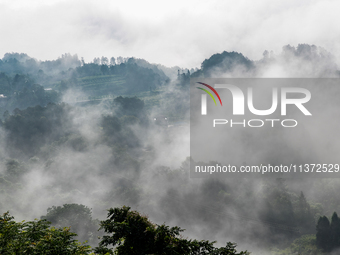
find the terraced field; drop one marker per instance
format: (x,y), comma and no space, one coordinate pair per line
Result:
(99,88)
(155,102)
(150,98)
(110,86)
(103,85)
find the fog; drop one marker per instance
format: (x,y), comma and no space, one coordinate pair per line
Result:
(170,33)
(89,159)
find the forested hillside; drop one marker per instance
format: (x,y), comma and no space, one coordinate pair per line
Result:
(78,139)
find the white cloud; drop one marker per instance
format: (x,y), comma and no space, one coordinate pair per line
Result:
(168,32)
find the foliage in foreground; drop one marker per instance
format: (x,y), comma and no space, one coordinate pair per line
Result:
(133,233)
(36,237)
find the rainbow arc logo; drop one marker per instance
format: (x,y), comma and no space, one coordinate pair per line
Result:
(209,93)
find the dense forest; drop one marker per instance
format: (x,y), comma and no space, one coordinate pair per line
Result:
(85,163)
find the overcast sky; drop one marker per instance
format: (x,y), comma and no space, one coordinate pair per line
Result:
(171,33)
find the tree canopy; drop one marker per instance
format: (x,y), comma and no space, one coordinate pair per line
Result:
(36,237)
(133,233)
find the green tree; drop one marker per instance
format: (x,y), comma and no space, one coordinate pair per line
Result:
(304,217)
(28,130)
(323,234)
(335,230)
(304,245)
(77,217)
(5,84)
(226,62)
(133,233)
(129,105)
(36,237)
(279,207)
